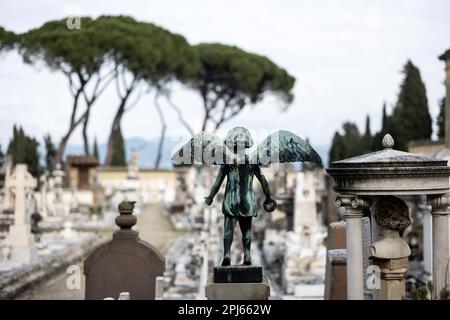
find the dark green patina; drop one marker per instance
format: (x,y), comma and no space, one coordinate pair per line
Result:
(239,205)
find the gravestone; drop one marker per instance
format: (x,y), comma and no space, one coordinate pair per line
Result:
(336,273)
(8,195)
(43,209)
(58,177)
(19,238)
(125,264)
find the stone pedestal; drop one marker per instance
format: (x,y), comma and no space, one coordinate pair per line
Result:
(238,274)
(392,278)
(237,290)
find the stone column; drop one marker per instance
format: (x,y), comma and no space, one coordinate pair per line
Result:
(439,213)
(353,214)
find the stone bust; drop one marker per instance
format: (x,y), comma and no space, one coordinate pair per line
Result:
(392,217)
(391,213)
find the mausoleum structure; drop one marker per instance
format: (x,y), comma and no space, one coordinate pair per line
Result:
(378,181)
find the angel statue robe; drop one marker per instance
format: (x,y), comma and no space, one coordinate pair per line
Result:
(239,200)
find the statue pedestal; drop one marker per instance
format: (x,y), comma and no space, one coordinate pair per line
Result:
(393,273)
(391,256)
(238,274)
(237,283)
(237,291)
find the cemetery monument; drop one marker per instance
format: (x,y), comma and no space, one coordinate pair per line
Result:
(239,205)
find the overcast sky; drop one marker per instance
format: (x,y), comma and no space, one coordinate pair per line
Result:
(347,57)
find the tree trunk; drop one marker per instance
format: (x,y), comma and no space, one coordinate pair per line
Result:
(163,132)
(180,117)
(87,150)
(73,124)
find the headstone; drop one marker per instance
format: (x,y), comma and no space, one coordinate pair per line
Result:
(43,209)
(8,195)
(305,207)
(74,203)
(58,176)
(19,238)
(336,274)
(125,264)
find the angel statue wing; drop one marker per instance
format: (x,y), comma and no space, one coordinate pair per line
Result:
(204,148)
(284,146)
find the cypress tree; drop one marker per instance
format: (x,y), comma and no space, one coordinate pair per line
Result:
(385,124)
(118,156)
(411,117)
(2,157)
(50,153)
(440,121)
(95,151)
(367,139)
(346,145)
(24,149)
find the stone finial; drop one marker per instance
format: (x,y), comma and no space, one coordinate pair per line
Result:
(126,219)
(388,141)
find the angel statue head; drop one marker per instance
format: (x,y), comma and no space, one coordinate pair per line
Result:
(239,205)
(238,136)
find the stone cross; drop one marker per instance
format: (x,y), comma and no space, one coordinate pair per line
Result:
(19,238)
(22,182)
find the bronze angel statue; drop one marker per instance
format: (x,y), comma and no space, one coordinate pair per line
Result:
(240,167)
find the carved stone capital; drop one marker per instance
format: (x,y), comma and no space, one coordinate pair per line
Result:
(353,202)
(439,204)
(353,205)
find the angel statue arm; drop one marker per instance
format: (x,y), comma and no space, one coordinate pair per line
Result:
(216,186)
(269,203)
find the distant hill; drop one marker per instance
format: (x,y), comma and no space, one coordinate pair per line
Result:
(147,159)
